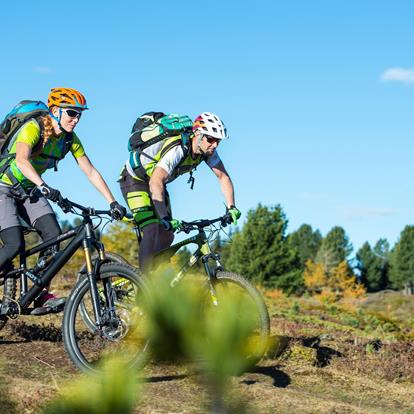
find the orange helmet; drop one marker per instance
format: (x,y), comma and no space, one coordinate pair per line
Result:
(66,98)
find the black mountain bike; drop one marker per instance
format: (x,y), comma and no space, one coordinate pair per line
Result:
(218,284)
(108,309)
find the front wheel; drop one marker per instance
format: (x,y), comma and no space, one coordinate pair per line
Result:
(228,283)
(121,319)
(113,258)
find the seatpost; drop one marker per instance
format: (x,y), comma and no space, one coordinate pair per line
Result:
(23,277)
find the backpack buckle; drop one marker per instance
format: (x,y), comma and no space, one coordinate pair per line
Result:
(18,192)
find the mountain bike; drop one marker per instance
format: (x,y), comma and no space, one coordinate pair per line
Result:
(110,320)
(218,283)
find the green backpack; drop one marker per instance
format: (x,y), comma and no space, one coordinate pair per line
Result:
(153,127)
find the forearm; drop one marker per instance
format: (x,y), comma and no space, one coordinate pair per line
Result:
(99,183)
(227,189)
(157,191)
(28,171)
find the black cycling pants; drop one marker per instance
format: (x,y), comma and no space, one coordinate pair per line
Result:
(13,240)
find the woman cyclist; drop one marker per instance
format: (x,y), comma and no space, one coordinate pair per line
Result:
(39,144)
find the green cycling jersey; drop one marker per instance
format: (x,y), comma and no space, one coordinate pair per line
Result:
(44,159)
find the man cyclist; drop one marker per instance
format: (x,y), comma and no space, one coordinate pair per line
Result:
(38,145)
(145,192)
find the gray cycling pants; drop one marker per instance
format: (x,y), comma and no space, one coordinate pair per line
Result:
(12,211)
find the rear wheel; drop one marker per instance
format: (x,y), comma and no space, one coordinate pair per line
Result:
(121,330)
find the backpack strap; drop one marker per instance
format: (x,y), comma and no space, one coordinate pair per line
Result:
(186,146)
(17,190)
(140,171)
(170,145)
(164,150)
(5,168)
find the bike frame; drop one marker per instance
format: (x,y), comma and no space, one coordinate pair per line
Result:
(202,253)
(82,235)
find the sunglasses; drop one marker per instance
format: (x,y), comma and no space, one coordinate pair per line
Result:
(211,140)
(72,113)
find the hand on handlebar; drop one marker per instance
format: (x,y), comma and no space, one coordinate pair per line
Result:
(64,204)
(117,210)
(233,214)
(171,225)
(50,193)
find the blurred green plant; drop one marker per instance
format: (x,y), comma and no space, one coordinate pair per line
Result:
(115,390)
(295,308)
(213,331)
(217,333)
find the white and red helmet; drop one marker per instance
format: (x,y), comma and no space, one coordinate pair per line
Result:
(210,124)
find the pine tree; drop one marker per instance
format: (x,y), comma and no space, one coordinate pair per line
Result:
(335,248)
(373,265)
(306,242)
(402,260)
(261,252)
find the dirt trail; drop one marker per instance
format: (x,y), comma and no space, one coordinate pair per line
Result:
(35,368)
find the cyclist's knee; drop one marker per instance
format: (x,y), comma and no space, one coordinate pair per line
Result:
(167,237)
(47,226)
(157,236)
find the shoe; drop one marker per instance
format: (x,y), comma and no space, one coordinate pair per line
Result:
(47,303)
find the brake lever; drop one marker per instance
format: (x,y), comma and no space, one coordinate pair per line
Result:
(185,228)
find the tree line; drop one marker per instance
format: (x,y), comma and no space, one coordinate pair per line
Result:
(295,262)
(264,251)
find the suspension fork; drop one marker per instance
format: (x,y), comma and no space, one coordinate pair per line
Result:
(92,273)
(93,277)
(107,283)
(211,277)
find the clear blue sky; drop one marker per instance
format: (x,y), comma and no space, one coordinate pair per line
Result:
(317,97)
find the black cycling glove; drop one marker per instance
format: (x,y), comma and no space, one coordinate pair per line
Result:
(50,193)
(117,211)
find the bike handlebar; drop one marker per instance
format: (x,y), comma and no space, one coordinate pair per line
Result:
(67,206)
(187,226)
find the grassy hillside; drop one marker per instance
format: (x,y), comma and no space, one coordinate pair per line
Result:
(353,357)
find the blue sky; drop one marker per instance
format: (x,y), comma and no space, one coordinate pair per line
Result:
(317,97)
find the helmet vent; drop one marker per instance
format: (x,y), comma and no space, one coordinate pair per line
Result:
(210,124)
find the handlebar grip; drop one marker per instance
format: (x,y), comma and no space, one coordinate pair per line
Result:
(94,212)
(226,219)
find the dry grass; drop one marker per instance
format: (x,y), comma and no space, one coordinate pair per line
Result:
(324,361)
